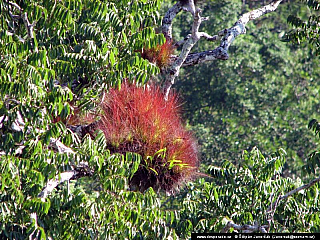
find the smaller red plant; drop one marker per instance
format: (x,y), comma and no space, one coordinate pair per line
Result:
(160,55)
(137,119)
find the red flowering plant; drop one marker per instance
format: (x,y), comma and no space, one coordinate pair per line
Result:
(159,55)
(139,119)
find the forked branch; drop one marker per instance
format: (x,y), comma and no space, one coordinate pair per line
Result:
(187,46)
(226,37)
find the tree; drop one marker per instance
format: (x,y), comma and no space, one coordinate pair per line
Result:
(54,58)
(263,96)
(58,61)
(211,217)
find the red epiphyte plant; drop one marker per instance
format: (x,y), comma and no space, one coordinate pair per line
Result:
(139,119)
(160,55)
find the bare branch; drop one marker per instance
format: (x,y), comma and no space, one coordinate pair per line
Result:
(273,206)
(209,37)
(168,18)
(181,42)
(28,25)
(187,46)
(79,171)
(202,35)
(270,211)
(246,228)
(240,25)
(305,186)
(53,183)
(16,6)
(227,36)
(216,54)
(189,7)
(59,146)
(172,13)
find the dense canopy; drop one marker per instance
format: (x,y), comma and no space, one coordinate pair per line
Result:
(153,119)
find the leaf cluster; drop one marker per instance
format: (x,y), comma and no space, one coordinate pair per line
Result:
(306,31)
(244,195)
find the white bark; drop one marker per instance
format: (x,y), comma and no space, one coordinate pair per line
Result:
(59,146)
(53,183)
(226,36)
(24,16)
(246,228)
(187,46)
(168,18)
(81,170)
(18,125)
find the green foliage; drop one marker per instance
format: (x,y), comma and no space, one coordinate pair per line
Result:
(111,211)
(94,44)
(313,160)
(263,96)
(73,51)
(306,28)
(243,194)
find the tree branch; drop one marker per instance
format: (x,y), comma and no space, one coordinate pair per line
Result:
(80,171)
(230,35)
(28,25)
(24,16)
(270,211)
(273,206)
(189,6)
(18,125)
(305,186)
(239,27)
(246,228)
(59,146)
(227,36)
(187,46)
(53,183)
(168,18)
(16,6)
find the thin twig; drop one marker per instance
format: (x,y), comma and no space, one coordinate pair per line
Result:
(15,6)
